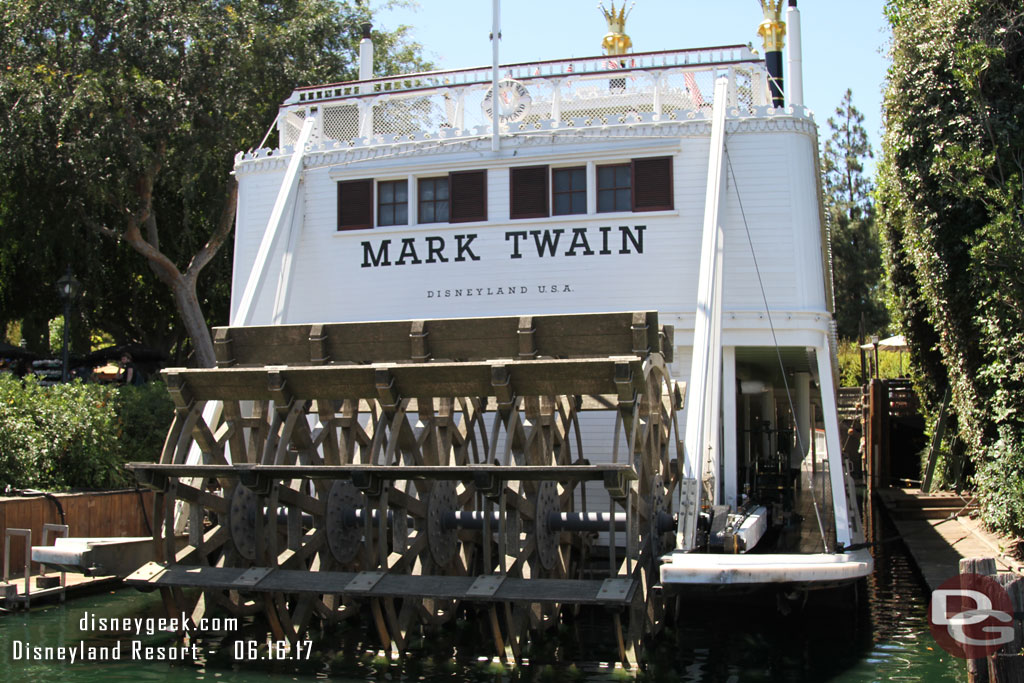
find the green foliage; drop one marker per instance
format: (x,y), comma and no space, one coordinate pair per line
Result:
(950,204)
(856,253)
(56,334)
(120,122)
(145,412)
(78,435)
(59,437)
(890,364)
(999,482)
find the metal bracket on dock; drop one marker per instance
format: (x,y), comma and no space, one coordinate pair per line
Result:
(485,586)
(44,580)
(252,576)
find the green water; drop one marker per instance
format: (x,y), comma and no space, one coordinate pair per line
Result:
(883,636)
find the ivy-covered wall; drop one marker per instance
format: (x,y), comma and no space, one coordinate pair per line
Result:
(951,211)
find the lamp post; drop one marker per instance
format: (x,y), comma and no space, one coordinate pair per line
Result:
(874,345)
(67,290)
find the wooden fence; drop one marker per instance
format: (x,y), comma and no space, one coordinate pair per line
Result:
(94,514)
(903,400)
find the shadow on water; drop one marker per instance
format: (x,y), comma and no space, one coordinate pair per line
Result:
(878,632)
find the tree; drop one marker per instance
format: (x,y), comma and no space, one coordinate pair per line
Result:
(950,204)
(856,252)
(121,119)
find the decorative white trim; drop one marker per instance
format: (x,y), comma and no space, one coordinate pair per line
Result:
(696,124)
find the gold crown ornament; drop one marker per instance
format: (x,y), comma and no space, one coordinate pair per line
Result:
(773,28)
(616,42)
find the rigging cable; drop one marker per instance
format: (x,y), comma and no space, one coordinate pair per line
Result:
(778,353)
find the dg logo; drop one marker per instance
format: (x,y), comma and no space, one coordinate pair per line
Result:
(971,616)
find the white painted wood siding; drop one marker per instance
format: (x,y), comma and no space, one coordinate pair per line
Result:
(772,170)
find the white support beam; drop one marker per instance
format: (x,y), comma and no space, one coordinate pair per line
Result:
(284,280)
(730,447)
(829,411)
(704,391)
(279,216)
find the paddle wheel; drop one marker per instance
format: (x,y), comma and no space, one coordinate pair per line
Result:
(506,470)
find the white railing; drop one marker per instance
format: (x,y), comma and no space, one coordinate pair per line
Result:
(653,86)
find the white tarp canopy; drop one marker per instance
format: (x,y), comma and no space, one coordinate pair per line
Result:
(895,343)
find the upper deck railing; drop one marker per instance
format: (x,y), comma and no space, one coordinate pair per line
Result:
(592,91)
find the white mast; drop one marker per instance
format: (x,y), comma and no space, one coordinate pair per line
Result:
(795,79)
(495,94)
(704,391)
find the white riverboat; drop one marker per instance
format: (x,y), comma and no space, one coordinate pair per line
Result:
(675,181)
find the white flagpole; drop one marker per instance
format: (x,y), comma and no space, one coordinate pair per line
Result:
(495,96)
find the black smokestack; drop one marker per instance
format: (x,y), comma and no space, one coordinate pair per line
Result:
(773,31)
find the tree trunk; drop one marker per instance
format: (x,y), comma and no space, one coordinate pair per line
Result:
(183,285)
(195,322)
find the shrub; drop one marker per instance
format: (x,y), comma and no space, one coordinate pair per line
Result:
(145,413)
(77,435)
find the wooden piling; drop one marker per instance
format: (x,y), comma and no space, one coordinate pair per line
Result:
(977,669)
(878,434)
(1006,665)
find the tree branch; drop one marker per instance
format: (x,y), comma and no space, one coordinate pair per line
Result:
(164,267)
(144,187)
(100,229)
(219,236)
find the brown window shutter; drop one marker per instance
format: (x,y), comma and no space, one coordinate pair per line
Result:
(529,192)
(468,196)
(652,184)
(355,204)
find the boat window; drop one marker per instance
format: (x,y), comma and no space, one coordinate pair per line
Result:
(433,200)
(392,202)
(468,192)
(529,192)
(569,190)
(652,184)
(355,204)
(614,188)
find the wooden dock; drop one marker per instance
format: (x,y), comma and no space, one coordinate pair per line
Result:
(32,518)
(939,530)
(74,585)
(88,515)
